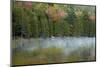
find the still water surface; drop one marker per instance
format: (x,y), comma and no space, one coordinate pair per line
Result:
(67,43)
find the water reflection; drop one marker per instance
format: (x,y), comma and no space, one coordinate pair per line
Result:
(53,50)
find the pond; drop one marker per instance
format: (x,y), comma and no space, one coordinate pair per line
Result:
(67,43)
(53,50)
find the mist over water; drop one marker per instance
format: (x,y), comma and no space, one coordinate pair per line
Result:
(66,43)
(53,50)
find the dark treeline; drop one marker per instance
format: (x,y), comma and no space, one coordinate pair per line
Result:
(46,20)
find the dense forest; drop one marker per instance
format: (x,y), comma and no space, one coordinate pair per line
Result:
(45,33)
(32,20)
